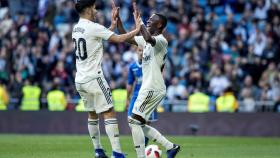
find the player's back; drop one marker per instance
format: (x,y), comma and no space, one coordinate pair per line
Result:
(87,37)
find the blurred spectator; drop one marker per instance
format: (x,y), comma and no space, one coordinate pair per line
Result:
(258,42)
(119,99)
(227,102)
(261,9)
(59,72)
(16,84)
(80,106)
(31,97)
(249,93)
(198,102)
(56,98)
(276,91)
(4,97)
(176,91)
(4,76)
(195,81)
(218,82)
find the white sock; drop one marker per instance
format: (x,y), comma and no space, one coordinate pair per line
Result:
(112,130)
(138,137)
(157,137)
(93,129)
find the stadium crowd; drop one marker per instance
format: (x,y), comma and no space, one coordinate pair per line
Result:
(214,46)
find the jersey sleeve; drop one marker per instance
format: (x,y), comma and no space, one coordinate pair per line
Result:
(140,41)
(101,31)
(130,78)
(161,43)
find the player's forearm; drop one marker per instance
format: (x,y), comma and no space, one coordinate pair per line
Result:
(147,36)
(120,27)
(125,37)
(129,91)
(123,31)
(112,27)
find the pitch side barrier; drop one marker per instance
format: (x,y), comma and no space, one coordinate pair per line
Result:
(184,123)
(182,105)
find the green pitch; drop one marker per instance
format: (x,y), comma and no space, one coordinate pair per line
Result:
(73,146)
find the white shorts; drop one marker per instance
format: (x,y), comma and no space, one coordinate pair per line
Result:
(96,95)
(147,102)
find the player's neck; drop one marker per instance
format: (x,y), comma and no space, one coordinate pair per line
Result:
(139,63)
(85,16)
(156,33)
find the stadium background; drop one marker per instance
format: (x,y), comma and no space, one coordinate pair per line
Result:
(213,44)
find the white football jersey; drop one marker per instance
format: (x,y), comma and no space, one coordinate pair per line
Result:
(87,37)
(153,61)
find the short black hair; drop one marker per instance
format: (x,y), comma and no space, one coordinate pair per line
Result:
(81,5)
(163,20)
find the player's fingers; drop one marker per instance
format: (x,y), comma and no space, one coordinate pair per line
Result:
(134,15)
(134,5)
(138,15)
(113,12)
(118,10)
(113,4)
(138,11)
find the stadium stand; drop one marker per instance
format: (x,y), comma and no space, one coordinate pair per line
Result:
(212,45)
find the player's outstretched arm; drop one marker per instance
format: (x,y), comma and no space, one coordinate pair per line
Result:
(146,35)
(123,31)
(114,17)
(120,25)
(117,17)
(129,89)
(124,37)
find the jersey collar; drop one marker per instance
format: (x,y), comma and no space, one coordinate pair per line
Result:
(138,64)
(83,19)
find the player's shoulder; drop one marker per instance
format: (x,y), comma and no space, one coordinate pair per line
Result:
(139,38)
(90,24)
(97,24)
(132,65)
(135,65)
(83,21)
(161,38)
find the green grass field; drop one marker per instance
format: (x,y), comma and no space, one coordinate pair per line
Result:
(73,146)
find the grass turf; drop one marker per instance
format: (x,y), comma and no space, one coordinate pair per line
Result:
(79,146)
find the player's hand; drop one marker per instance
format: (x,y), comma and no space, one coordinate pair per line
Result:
(138,23)
(115,10)
(136,12)
(114,16)
(137,17)
(114,7)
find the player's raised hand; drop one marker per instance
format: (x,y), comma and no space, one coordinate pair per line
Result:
(138,21)
(114,7)
(114,16)
(136,11)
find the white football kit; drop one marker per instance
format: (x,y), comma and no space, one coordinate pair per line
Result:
(94,90)
(153,88)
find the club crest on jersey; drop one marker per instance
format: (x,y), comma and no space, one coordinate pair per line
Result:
(146,58)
